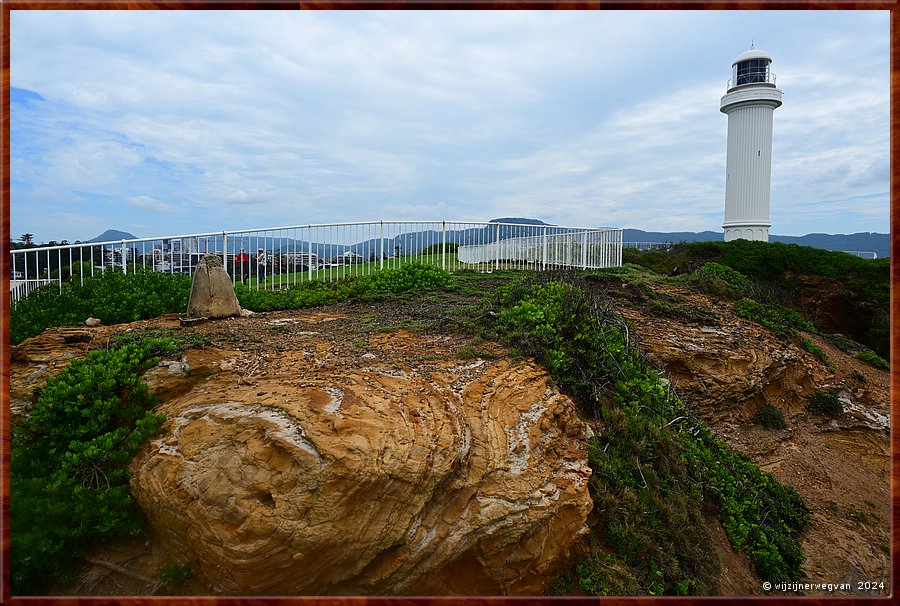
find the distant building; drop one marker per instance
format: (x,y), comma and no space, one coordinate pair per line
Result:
(351,257)
(303,259)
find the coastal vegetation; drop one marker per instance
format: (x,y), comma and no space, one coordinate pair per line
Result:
(656,467)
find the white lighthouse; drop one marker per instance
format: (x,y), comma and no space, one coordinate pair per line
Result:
(749,103)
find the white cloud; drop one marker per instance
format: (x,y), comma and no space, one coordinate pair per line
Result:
(280,117)
(148,203)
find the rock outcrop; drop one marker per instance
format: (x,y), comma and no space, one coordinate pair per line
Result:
(306,478)
(728,368)
(212,294)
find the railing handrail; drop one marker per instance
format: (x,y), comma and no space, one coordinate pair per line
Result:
(323,247)
(771,78)
(213,234)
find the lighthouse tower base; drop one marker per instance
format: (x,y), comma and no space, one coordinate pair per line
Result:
(747,232)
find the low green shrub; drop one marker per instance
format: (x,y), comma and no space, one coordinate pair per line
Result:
(826,403)
(115,297)
(69,462)
(810,346)
(777,318)
(413,276)
(654,463)
(596,573)
(174,575)
(770,417)
(867,355)
(718,280)
(301,296)
(111,296)
(689,313)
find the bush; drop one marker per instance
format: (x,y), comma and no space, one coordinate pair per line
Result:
(827,403)
(654,462)
(780,320)
(770,417)
(69,462)
(718,280)
(174,575)
(111,296)
(817,351)
(413,276)
(873,358)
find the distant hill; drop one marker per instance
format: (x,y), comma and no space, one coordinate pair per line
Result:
(518,221)
(410,243)
(111,235)
(880,244)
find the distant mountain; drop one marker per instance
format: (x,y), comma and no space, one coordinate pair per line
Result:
(111,235)
(880,244)
(518,221)
(415,242)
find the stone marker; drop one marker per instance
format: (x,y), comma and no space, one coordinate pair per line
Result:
(212,295)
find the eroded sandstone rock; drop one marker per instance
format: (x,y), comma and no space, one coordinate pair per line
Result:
(727,369)
(212,294)
(455,478)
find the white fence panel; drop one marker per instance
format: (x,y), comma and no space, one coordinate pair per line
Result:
(279,257)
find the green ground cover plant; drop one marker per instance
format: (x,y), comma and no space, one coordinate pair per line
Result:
(770,417)
(412,276)
(867,355)
(718,280)
(772,269)
(826,403)
(810,346)
(115,297)
(69,462)
(174,575)
(777,318)
(112,296)
(654,462)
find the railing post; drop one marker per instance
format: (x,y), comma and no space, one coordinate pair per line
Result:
(124,260)
(544,250)
(381,247)
(309,252)
(444,246)
(619,248)
(584,241)
(497,248)
(225,256)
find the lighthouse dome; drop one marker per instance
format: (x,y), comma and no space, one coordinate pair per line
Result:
(753,53)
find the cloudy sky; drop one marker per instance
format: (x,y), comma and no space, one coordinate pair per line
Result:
(164,123)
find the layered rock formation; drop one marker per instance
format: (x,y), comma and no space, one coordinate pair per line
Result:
(727,368)
(299,476)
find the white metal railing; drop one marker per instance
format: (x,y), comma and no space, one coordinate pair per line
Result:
(862,254)
(284,256)
(552,247)
(759,77)
(646,245)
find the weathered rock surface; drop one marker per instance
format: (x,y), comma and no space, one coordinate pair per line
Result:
(294,476)
(729,368)
(212,294)
(726,369)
